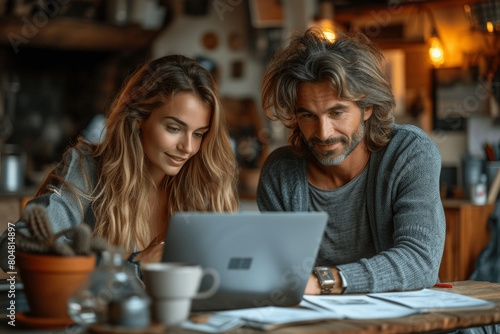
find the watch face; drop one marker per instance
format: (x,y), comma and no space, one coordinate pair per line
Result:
(325,275)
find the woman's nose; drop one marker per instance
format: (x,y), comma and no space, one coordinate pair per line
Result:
(185,144)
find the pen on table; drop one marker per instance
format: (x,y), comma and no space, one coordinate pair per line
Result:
(443,285)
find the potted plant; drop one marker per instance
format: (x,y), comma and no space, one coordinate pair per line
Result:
(52,269)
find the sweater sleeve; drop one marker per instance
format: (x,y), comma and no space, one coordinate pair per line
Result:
(66,206)
(282,183)
(411,237)
(268,191)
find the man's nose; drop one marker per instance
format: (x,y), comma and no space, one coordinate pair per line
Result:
(325,129)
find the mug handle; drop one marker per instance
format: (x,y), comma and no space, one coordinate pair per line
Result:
(215,285)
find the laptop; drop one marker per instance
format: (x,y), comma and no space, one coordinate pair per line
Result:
(262,259)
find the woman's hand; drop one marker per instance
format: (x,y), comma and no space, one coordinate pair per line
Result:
(152,254)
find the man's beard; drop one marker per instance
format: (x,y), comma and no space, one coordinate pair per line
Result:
(338,155)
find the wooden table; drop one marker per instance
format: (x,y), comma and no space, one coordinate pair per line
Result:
(428,322)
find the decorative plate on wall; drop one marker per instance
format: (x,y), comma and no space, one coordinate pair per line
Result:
(235,41)
(210,40)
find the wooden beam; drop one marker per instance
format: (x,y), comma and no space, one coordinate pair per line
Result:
(64,33)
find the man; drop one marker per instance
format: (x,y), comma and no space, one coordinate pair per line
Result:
(378,181)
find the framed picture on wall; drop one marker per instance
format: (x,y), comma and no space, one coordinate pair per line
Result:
(458,94)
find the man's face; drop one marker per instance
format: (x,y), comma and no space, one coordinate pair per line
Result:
(331,128)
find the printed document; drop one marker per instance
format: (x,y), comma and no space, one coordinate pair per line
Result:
(325,307)
(270,317)
(358,307)
(426,300)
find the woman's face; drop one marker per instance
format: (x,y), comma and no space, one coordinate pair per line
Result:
(173,133)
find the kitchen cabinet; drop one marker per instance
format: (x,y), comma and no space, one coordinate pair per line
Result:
(467,234)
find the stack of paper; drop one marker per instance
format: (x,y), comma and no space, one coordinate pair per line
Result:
(271,317)
(357,307)
(317,308)
(428,300)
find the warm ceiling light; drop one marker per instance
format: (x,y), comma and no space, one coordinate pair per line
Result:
(436,45)
(436,51)
(324,19)
(328,29)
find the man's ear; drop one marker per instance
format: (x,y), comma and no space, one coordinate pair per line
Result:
(368,112)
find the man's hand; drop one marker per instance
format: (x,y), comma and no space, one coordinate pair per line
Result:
(313,287)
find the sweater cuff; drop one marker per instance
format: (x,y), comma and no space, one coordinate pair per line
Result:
(356,275)
(344,280)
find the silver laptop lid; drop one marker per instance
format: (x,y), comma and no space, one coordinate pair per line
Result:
(262,258)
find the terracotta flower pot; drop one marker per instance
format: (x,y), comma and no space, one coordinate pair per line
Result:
(49,280)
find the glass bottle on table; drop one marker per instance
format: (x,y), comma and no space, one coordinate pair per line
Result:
(112,295)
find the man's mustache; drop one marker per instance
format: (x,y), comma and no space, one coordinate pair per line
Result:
(329,141)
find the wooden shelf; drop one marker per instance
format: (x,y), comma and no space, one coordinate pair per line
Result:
(74,34)
(467,233)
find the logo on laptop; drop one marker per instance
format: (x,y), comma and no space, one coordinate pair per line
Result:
(240,263)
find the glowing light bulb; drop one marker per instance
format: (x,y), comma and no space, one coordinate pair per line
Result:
(489,27)
(328,29)
(330,35)
(436,52)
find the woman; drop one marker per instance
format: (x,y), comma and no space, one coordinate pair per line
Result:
(165,149)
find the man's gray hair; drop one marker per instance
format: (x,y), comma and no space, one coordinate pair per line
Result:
(351,63)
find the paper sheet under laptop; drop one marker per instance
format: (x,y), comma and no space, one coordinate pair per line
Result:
(427,300)
(317,308)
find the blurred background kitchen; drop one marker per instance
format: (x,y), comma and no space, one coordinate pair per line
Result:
(63,61)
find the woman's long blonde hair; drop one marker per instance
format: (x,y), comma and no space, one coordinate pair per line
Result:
(207,182)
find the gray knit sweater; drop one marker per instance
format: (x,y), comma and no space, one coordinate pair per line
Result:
(404,208)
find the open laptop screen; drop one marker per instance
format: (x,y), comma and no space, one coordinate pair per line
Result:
(262,258)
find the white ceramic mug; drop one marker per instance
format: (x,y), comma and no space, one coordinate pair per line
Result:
(172,286)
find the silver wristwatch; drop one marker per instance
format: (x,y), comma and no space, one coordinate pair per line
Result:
(325,279)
